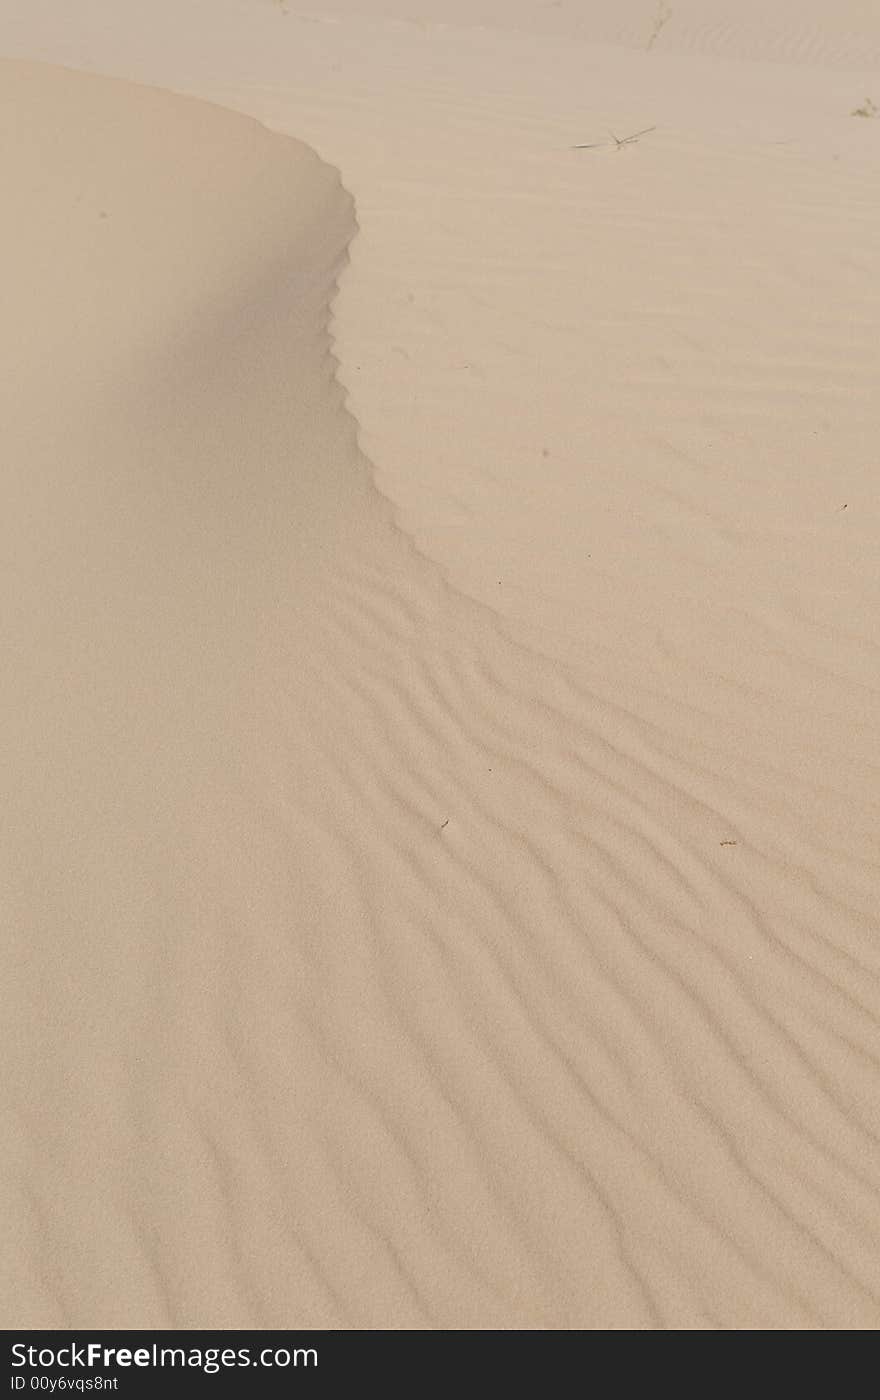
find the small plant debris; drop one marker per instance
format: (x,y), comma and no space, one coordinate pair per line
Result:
(619,141)
(662,17)
(867,109)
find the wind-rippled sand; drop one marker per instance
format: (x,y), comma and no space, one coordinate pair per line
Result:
(440,885)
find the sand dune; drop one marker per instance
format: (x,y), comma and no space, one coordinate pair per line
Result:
(442,882)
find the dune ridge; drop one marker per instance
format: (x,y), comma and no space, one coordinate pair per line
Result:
(456,976)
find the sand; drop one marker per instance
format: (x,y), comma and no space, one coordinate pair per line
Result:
(439,862)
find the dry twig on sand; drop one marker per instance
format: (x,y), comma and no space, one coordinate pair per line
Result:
(662,17)
(619,141)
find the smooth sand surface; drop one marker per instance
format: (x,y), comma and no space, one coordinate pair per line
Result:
(440,854)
